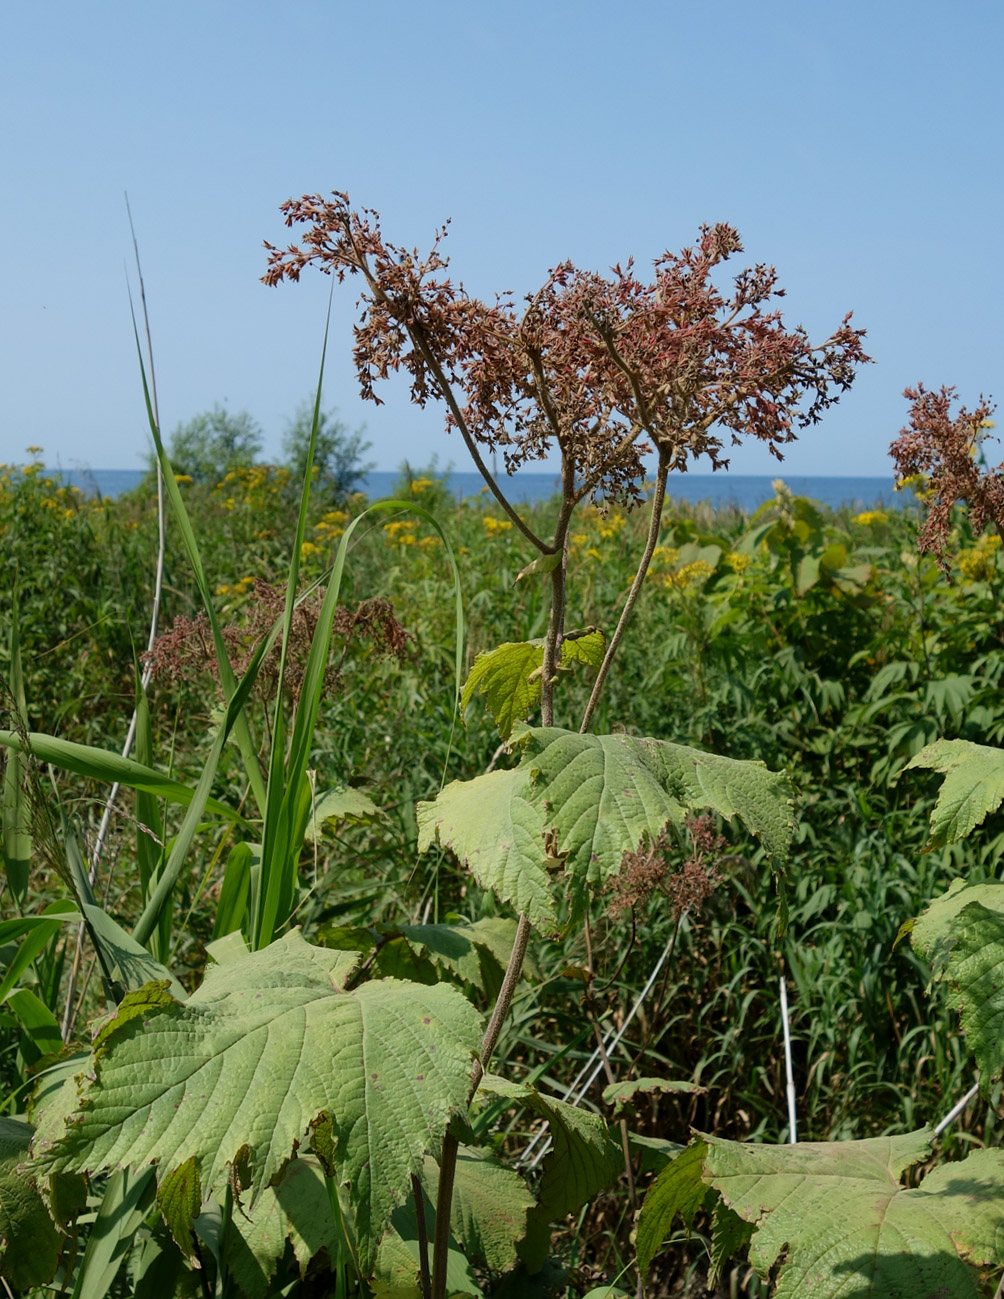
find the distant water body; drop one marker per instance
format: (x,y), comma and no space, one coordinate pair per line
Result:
(746,491)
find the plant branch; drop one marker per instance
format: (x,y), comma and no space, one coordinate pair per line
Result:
(655,522)
(451,1146)
(417,335)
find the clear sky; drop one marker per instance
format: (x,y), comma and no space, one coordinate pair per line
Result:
(856,146)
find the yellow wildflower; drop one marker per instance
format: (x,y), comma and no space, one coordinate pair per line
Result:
(493,526)
(183,479)
(308,548)
(869,517)
(695,574)
(738,561)
(979,564)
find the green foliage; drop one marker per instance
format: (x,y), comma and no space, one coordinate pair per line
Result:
(213,444)
(338,455)
(29,1240)
(834,1219)
(962,935)
(974,786)
(509,675)
(399,1061)
(262,1113)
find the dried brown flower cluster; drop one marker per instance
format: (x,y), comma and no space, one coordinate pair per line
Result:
(946,450)
(651,869)
(602,367)
(185,650)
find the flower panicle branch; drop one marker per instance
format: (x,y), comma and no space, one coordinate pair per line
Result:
(604,368)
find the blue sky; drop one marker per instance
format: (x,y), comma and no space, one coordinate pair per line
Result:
(855,146)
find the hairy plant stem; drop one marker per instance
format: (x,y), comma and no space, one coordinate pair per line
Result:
(423,1236)
(552,650)
(451,1146)
(655,522)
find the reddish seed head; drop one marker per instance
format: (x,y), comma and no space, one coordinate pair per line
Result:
(605,366)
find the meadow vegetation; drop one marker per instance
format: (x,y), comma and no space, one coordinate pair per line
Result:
(307,813)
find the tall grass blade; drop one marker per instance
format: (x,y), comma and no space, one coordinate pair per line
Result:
(289,789)
(16,819)
(127,1200)
(109,768)
(242,730)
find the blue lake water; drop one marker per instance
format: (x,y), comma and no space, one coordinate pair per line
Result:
(747,491)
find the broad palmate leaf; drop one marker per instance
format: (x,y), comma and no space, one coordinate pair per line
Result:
(577,803)
(250,1063)
(838,1219)
(601,795)
(509,675)
(490,1204)
(962,935)
(493,830)
(973,787)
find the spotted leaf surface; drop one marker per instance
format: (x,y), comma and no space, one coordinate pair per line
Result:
(267,1046)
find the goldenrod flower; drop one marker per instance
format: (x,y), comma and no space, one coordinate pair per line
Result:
(493,526)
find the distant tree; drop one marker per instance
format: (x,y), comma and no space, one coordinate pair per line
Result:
(338,457)
(209,445)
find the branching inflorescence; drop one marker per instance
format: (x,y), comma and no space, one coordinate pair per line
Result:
(605,369)
(946,451)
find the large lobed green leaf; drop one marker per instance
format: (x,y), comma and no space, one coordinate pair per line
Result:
(962,935)
(837,1219)
(577,803)
(489,1209)
(583,1160)
(267,1047)
(973,786)
(494,831)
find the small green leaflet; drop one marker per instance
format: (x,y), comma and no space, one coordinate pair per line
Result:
(542,564)
(962,935)
(973,787)
(275,1040)
(296,1208)
(343,803)
(509,676)
(621,1095)
(838,1218)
